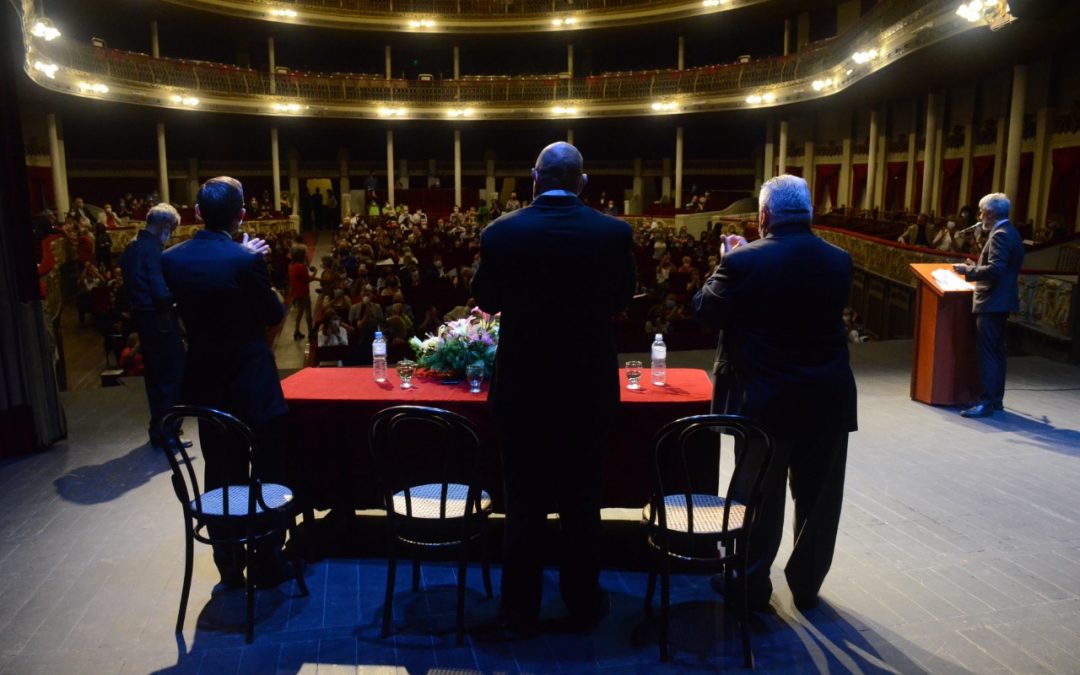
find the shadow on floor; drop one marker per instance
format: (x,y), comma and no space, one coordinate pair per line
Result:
(99,483)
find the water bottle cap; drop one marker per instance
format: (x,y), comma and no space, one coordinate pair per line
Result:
(659,336)
(378,335)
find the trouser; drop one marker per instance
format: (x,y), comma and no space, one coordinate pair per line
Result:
(554,467)
(163,364)
(990,346)
(226,463)
(814,464)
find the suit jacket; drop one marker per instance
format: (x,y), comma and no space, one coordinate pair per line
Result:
(997,274)
(143,280)
(225,299)
(559,272)
(783,350)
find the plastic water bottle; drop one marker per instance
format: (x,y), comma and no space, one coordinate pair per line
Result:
(659,361)
(378,357)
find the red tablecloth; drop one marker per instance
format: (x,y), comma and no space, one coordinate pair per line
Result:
(332,408)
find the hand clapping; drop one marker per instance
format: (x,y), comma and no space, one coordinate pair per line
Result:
(255,245)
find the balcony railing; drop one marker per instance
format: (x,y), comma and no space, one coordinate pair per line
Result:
(894,29)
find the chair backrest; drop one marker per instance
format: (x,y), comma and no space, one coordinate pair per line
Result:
(184,479)
(335,354)
(684,464)
(418,445)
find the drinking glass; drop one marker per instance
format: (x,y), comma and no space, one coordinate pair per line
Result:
(633,374)
(405,370)
(474,373)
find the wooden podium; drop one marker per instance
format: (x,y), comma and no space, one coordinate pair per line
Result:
(944,370)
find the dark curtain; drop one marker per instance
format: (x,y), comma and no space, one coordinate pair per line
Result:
(826,181)
(982,178)
(916,190)
(1023,189)
(858,185)
(950,186)
(895,185)
(794,170)
(1065,185)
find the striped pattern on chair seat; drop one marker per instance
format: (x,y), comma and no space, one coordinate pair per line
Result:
(708,514)
(425,500)
(213,501)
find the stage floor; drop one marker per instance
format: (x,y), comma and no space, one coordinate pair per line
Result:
(959,551)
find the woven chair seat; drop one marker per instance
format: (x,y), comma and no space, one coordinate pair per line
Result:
(213,502)
(426,500)
(708,514)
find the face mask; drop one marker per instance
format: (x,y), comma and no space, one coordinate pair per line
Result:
(438,264)
(670,304)
(338,292)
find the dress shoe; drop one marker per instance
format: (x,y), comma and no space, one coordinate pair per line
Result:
(733,601)
(272,576)
(804,602)
(979,410)
(999,406)
(298,335)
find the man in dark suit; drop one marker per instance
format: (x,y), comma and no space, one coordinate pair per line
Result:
(559,272)
(225,299)
(151,304)
(997,292)
(783,359)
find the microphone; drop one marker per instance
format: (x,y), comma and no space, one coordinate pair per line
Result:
(969,229)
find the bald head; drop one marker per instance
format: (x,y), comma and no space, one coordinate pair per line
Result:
(558,167)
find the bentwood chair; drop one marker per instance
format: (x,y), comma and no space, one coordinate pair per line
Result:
(246,512)
(688,524)
(427,460)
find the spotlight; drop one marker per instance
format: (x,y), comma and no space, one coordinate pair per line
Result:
(49,69)
(95,87)
(563,110)
(287,107)
(43,28)
(391,112)
(287,13)
(864,56)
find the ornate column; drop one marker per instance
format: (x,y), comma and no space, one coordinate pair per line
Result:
(163,165)
(1016,133)
(61,201)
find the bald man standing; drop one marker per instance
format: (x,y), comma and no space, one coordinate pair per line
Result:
(555,390)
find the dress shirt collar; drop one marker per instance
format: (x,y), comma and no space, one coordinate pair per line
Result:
(557,193)
(213,234)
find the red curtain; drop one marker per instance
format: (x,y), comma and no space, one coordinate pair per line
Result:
(982,178)
(916,189)
(858,185)
(895,185)
(826,181)
(1065,185)
(1023,190)
(950,186)
(794,170)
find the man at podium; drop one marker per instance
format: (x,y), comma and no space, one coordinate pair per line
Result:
(997,293)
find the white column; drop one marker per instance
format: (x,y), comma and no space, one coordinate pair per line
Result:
(843,192)
(193,180)
(457,63)
(909,180)
(403,173)
(1016,133)
(489,180)
(294,181)
(665,181)
(344,188)
(155,44)
(570,135)
(882,153)
(998,182)
(570,59)
(966,163)
(388,73)
(457,167)
(275,169)
(682,53)
(787,36)
(928,153)
(637,196)
(1039,166)
(768,173)
(936,180)
(390,162)
(273,64)
(808,171)
(163,165)
(871,158)
(677,197)
(60,188)
(782,155)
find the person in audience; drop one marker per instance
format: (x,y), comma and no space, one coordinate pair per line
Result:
(300,288)
(917,234)
(332,333)
(223,292)
(997,292)
(151,304)
(609,208)
(547,465)
(1055,229)
(108,217)
(102,247)
(656,321)
(131,358)
(783,357)
(430,323)
(945,237)
(365,317)
(460,311)
(512,204)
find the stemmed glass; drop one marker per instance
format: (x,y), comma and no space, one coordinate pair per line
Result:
(405,370)
(474,373)
(633,374)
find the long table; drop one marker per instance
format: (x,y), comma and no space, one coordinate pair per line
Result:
(332,465)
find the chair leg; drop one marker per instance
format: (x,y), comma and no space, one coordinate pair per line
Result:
(650,591)
(416,571)
(298,569)
(462,570)
(391,573)
(485,560)
(189,560)
(748,654)
(665,607)
(250,593)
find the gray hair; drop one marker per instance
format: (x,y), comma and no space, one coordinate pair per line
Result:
(996,204)
(787,199)
(162,216)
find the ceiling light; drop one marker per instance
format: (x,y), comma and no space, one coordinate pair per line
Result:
(753,99)
(818,85)
(665,106)
(769,97)
(711,3)
(562,110)
(460,112)
(421,23)
(48,68)
(44,29)
(864,56)
(972,11)
(556,22)
(287,107)
(189,101)
(96,87)
(391,112)
(287,13)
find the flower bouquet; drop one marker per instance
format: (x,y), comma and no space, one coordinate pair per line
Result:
(458,344)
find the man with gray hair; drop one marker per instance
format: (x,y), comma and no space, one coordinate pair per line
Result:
(151,305)
(783,360)
(997,292)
